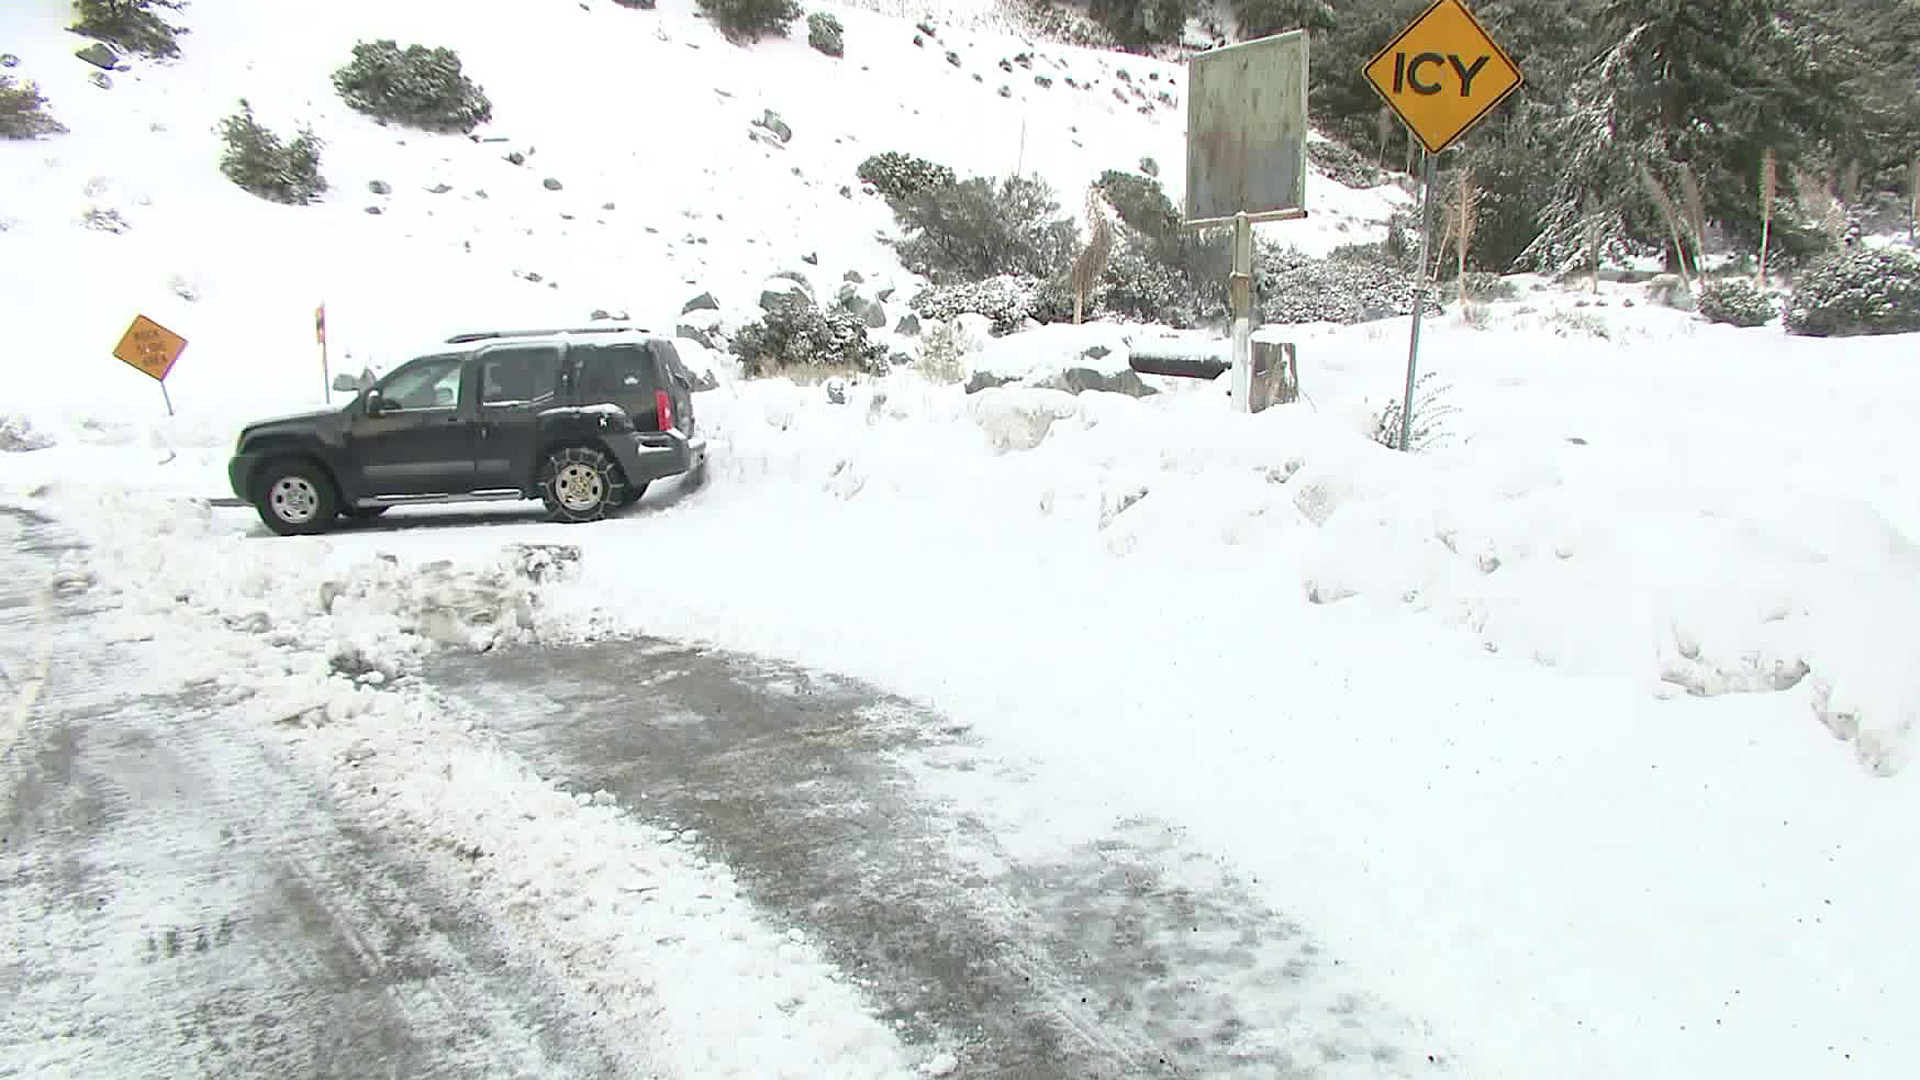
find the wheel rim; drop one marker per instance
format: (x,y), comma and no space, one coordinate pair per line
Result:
(580,488)
(294,500)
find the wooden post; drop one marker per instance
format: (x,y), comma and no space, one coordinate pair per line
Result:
(1240,285)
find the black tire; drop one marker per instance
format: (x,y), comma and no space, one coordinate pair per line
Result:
(364,513)
(295,497)
(633,493)
(580,483)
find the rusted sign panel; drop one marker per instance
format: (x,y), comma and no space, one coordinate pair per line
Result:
(1247,129)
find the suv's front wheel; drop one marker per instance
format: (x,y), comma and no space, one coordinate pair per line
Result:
(580,483)
(295,498)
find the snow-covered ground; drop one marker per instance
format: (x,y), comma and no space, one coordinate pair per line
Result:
(1587,736)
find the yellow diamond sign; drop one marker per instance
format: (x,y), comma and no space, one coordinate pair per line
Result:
(1442,74)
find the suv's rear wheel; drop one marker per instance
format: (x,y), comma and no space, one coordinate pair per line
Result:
(295,497)
(580,483)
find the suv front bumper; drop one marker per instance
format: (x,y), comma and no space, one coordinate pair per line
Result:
(240,471)
(646,456)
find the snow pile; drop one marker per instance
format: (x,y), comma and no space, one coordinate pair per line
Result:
(1673,557)
(657,944)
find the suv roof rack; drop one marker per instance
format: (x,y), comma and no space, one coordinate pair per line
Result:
(483,335)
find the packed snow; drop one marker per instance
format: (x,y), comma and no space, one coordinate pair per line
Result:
(1586,735)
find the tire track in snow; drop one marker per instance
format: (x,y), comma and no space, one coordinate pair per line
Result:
(1121,951)
(177,899)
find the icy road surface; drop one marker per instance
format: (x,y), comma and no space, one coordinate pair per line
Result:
(980,924)
(177,899)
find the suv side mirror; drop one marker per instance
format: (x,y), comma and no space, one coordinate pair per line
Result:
(375,403)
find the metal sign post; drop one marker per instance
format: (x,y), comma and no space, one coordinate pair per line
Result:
(1246,161)
(1419,300)
(1440,76)
(320,334)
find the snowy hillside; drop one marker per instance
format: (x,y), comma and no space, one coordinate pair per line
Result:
(1584,738)
(645,119)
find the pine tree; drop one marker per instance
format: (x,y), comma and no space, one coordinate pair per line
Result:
(1704,83)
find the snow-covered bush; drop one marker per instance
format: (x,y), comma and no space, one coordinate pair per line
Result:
(944,346)
(751,20)
(17,436)
(1343,288)
(1141,202)
(1429,415)
(1861,291)
(796,334)
(1344,165)
(130,24)
(418,86)
(1007,300)
(824,33)
(263,165)
(896,175)
(1142,283)
(978,228)
(23,111)
(1735,301)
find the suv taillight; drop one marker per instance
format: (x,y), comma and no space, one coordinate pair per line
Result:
(663,406)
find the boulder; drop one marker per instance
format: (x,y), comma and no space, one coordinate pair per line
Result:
(778,291)
(908,326)
(1668,290)
(703,302)
(770,121)
(1019,417)
(99,54)
(1079,380)
(987,380)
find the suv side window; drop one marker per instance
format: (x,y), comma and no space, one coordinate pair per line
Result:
(518,375)
(616,372)
(430,382)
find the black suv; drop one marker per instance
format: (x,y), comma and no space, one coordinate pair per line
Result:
(581,419)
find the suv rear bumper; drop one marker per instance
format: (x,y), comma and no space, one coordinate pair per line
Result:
(646,456)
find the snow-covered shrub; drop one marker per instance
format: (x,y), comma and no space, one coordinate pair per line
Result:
(944,347)
(418,86)
(23,111)
(751,20)
(263,165)
(1142,283)
(1007,300)
(896,175)
(130,24)
(1344,165)
(824,33)
(17,436)
(1861,291)
(1346,287)
(1429,413)
(1735,301)
(977,228)
(796,334)
(1141,202)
